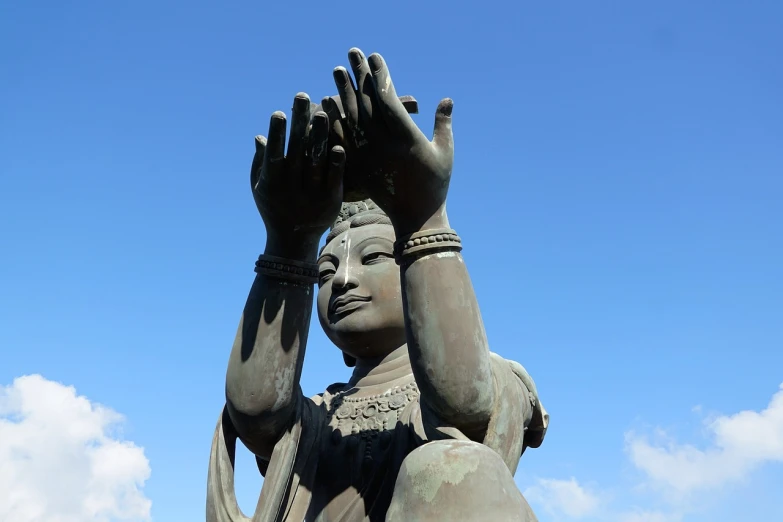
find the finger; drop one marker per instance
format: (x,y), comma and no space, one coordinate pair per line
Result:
(337,134)
(319,136)
(333,108)
(442,136)
(300,119)
(410,104)
(347,93)
(334,179)
(392,108)
(275,147)
(364,88)
(258,160)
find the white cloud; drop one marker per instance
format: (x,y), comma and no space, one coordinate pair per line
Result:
(566,497)
(741,443)
(61,461)
(738,444)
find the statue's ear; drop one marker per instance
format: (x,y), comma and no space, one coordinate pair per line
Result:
(349,361)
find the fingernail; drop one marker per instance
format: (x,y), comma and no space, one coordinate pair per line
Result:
(301,101)
(376,62)
(355,56)
(446,106)
(340,74)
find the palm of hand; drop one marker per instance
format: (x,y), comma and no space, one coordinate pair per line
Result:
(406,174)
(299,194)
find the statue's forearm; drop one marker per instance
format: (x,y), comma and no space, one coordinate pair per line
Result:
(446,339)
(262,381)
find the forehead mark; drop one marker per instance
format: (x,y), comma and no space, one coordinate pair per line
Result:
(345,243)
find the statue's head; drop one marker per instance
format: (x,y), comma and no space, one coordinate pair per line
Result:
(359,297)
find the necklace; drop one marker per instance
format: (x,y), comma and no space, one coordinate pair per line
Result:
(368,417)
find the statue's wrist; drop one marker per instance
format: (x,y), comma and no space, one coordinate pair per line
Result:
(438,220)
(410,247)
(292,246)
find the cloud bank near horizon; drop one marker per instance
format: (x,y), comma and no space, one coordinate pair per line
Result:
(677,473)
(62,459)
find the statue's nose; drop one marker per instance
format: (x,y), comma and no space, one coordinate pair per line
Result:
(345,277)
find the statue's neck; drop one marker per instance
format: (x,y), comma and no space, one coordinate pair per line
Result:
(380,370)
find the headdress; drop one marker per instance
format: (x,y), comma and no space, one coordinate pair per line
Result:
(357,214)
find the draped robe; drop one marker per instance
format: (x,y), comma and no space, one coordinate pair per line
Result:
(293,489)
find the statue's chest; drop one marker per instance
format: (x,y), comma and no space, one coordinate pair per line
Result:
(361,429)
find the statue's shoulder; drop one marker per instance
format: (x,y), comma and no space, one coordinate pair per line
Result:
(336,387)
(539,421)
(516,370)
(331,391)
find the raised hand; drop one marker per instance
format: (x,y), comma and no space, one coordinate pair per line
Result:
(298,194)
(403,171)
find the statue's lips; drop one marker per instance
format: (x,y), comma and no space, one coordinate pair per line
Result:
(347,303)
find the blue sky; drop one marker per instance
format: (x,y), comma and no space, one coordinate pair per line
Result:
(618,184)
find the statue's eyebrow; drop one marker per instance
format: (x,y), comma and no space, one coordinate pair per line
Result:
(374,238)
(327,256)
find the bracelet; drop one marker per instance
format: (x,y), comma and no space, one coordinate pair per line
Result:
(418,244)
(287,269)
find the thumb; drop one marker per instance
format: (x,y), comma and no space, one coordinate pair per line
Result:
(258,160)
(442,137)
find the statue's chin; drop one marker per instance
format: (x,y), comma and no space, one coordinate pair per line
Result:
(364,330)
(359,338)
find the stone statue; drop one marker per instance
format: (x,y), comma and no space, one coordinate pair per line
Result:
(431,424)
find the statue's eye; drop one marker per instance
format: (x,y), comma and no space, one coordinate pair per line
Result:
(376,257)
(324,275)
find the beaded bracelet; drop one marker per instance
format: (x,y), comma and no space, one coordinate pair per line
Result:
(287,269)
(418,244)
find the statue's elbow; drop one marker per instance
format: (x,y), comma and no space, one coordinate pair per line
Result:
(258,415)
(466,408)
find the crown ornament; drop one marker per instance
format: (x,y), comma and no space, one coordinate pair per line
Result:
(353,208)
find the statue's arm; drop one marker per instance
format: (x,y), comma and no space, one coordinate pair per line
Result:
(407,175)
(298,195)
(262,381)
(446,340)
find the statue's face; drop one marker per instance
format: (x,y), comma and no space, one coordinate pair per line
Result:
(359,299)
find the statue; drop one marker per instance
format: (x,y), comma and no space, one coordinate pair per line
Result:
(431,424)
